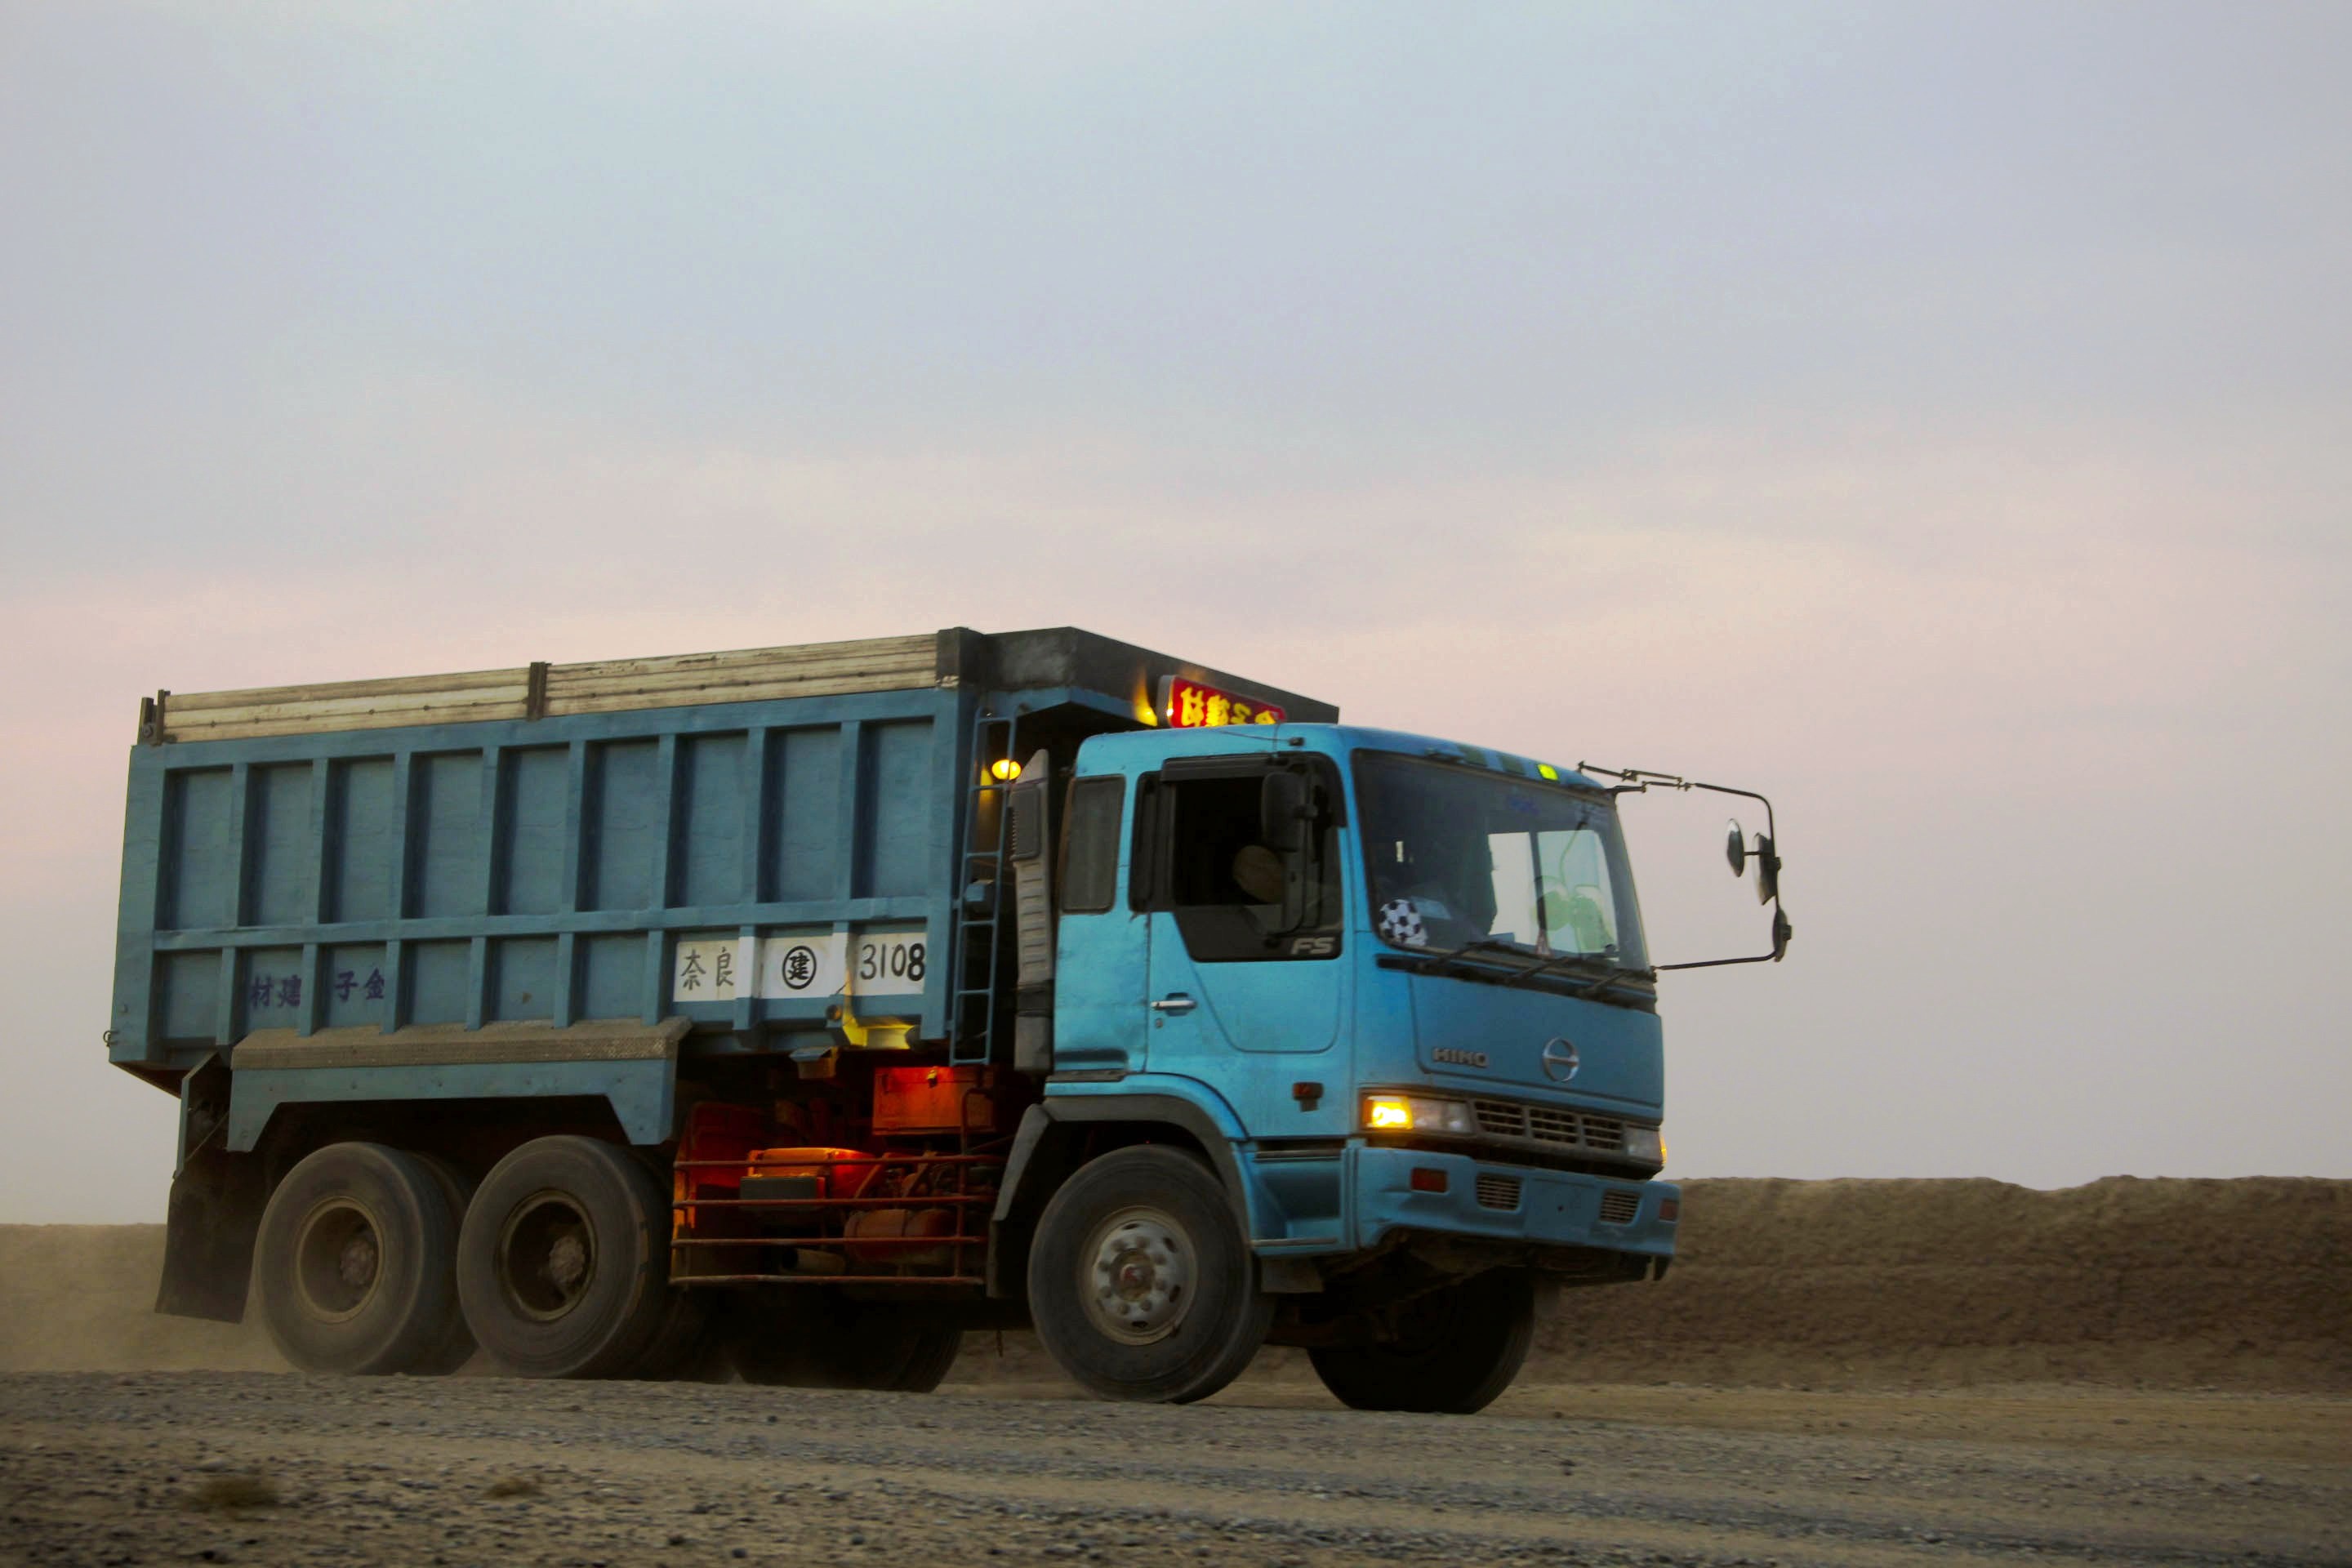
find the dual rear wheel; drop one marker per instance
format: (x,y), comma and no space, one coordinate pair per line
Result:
(354,1263)
(562,1265)
(374,1260)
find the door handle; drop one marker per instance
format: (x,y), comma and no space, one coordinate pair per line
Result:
(1174,1002)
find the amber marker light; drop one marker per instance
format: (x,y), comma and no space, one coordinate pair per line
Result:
(1004,769)
(1414,1113)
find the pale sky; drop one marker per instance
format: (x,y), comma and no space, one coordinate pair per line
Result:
(1935,415)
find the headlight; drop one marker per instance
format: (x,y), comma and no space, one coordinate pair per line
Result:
(1412,1113)
(1646,1144)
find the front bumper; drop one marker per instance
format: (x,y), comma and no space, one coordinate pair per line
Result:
(1558,1209)
(1484,1199)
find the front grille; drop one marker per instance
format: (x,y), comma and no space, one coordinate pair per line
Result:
(1550,1124)
(1498,1192)
(1500,1118)
(1619,1205)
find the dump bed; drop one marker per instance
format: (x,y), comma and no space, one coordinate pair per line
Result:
(739,851)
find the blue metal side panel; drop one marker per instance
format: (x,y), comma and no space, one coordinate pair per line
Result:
(533,870)
(359,838)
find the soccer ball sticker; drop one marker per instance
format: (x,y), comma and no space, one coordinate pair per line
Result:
(1400,923)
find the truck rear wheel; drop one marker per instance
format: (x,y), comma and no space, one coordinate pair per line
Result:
(353,1263)
(808,1337)
(564,1261)
(1142,1284)
(457,1347)
(1455,1351)
(679,1346)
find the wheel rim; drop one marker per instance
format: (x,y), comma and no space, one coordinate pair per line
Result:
(547,1256)
(338,1260)
(1136,1274)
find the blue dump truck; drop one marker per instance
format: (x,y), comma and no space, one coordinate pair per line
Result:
(796,1010)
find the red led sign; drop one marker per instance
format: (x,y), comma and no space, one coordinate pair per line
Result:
(1193,705)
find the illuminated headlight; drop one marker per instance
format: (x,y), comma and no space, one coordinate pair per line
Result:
(1412,1113)
(1646,1144)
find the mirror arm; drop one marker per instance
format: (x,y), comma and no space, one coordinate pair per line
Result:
(1718,963)
(1782,932)
(1639,781)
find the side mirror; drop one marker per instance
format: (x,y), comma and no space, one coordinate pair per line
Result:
(1282,811)
(1735,848)
(1768,871)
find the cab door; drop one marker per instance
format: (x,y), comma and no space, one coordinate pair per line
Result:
(1244,919)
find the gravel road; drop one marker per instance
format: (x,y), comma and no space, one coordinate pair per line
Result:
(263,1469)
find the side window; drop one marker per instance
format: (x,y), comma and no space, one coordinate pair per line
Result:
(1235,898)
(1090,852)
(1218,861)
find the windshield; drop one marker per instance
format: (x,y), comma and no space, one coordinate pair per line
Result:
(1458,855)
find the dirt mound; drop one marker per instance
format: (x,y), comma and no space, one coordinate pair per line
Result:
(2230,1283)
(2240,1284)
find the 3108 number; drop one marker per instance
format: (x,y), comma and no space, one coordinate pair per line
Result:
(890,961)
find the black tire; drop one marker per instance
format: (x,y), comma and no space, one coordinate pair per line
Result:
(800,1336)
(457,1191)
(681,1347)
(931,1356)
(563,1262)
(353,1262)
(678,1346)
(1457,1350)
(1140,1283)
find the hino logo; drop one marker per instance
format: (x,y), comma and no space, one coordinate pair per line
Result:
(1459,1059)
(1559,1060)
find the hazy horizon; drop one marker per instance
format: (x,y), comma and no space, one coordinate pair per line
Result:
(1935,417)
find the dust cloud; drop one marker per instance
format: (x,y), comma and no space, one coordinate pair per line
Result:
(2242,1284)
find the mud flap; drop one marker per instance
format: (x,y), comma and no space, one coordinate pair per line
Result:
(216,1203)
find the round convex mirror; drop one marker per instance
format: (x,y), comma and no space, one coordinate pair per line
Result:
(1735,848)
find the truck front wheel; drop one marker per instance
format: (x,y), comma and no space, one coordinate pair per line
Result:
(352,1264)
(1142,1284)
(563,1262)
(1452,1353)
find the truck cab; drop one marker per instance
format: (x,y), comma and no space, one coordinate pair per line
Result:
(1400,981)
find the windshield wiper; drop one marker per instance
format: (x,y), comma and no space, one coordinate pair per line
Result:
(1601,972)
(1610,974)
(1484,944)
